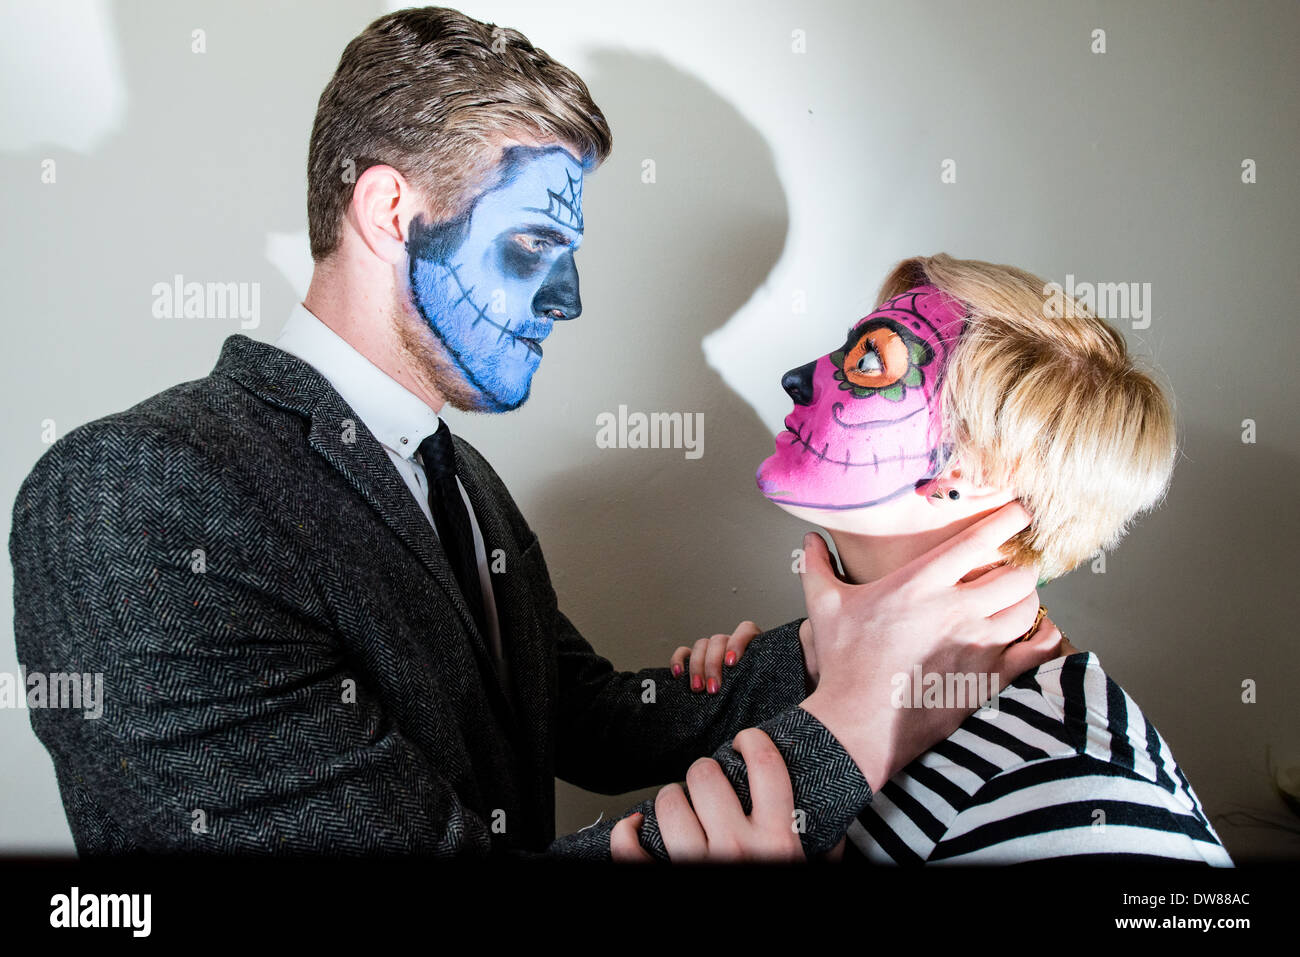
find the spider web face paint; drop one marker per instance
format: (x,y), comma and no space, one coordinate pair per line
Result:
(492,283)
(866,425)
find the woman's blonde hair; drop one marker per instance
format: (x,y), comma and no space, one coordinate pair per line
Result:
(1042,396)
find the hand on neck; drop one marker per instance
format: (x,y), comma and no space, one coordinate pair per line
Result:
(873,542)
(867,558)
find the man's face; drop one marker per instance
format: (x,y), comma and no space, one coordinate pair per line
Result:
(866,426)
(492,282)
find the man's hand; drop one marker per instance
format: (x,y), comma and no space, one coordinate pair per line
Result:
(809,653)
(923,615)
(711,825)
(707,658)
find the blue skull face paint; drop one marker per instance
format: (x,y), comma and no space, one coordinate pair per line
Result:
(493,282)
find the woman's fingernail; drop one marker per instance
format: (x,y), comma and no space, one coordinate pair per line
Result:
(677,671)
(713,686)
(696,683)
(731,657)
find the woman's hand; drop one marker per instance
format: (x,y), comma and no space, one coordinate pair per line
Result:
(709,656)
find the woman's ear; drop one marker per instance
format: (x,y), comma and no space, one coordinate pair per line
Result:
(952,488)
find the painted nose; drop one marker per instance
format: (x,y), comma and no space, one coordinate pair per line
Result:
(558,297)
(798,383)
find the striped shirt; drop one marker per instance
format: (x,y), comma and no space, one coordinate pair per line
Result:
(1064,766)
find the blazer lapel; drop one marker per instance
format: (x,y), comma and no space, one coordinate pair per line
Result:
(338,435)
(526,653)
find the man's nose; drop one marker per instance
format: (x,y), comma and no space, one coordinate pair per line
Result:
(558,296)
(798,383)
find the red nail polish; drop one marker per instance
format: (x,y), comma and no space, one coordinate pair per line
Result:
(696,683)
(713,686)
(731,657)
(677,671)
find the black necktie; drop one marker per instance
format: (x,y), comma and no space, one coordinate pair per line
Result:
(451,518)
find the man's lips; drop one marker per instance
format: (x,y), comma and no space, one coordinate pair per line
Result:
(534,341)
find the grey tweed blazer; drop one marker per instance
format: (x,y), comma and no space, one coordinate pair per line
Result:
(289,667)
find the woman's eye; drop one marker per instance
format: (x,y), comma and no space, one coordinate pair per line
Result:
(869,364)
(877,360)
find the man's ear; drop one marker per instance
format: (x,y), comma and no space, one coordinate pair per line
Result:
(382,205)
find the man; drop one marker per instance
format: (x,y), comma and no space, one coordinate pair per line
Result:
(323,623)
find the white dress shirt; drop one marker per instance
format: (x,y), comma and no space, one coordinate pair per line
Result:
(399,419)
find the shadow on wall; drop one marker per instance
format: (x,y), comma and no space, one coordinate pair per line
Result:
(209,158)
(648,548)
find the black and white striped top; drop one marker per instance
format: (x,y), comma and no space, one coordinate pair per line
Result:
(1065,765)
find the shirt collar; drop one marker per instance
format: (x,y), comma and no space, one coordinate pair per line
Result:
(398,418)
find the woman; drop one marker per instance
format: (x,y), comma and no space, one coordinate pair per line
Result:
(971,385)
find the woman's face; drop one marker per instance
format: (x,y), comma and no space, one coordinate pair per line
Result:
(866,425)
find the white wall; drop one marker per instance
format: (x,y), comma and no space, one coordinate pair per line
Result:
(779,175)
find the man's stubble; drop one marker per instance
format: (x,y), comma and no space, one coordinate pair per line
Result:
(422,352)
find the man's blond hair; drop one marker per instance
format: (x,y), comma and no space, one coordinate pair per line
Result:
(1042,396)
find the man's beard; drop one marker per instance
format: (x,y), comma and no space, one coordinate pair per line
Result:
(427,358)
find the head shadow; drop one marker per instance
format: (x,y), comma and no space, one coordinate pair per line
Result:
(685,221)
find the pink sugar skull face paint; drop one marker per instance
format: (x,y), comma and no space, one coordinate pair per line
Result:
(866,425)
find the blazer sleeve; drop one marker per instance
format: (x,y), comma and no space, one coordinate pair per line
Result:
(829,792)
(231,722)
(617,730)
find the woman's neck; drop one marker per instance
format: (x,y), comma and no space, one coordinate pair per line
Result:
(867,558)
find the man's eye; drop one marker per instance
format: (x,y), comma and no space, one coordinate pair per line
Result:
(532,244)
